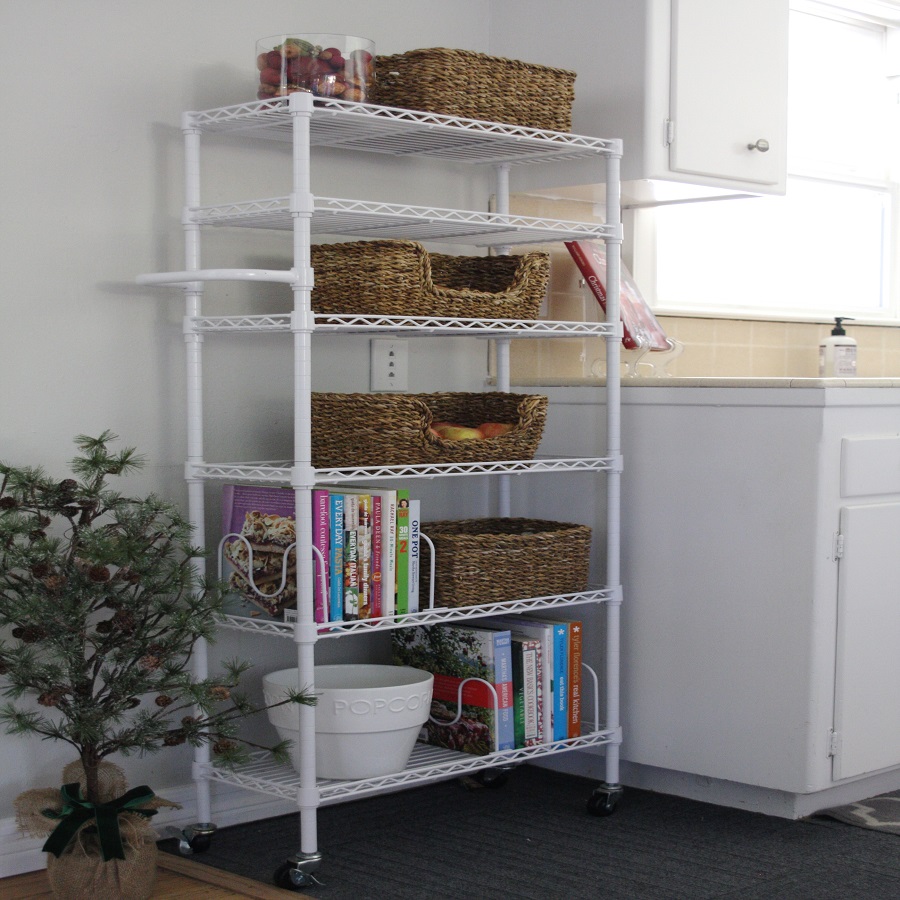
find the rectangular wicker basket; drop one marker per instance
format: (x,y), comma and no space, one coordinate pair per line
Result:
(472,85)
(393,429)
(401,278)
(497,560)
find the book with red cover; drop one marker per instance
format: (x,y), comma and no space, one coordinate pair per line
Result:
(640,326)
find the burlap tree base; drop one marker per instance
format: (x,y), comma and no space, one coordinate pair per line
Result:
(80,872)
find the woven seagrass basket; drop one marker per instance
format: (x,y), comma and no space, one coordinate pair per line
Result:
(497,560)
(473,85)
(393,429)
(401,278)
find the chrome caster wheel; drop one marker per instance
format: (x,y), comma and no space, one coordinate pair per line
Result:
(297,872)
(195,838)
(493,778)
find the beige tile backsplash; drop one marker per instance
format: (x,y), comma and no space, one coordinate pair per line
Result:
(712,347)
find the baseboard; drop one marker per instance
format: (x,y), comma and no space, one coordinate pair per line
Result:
(231,805)
(769,801)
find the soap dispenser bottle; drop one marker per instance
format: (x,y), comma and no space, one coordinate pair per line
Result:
(837,353)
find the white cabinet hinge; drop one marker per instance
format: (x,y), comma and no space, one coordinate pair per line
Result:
(670,132)
(834,743)
(838,550)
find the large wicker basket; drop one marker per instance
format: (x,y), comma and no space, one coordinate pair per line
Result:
(497,560)
(393,429)
(473,85)
(401,278)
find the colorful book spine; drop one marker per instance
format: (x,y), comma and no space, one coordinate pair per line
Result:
(389,554)
(575,679)
(364,553)
(402,603)
(527,706)
(351,556)
(415,507)
(321,532)
(336,587)
(543,632)
(377,578)
(503,684)
(560,681)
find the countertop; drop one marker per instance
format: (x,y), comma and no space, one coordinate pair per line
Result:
(697,382)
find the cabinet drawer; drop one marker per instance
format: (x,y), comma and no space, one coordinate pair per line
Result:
(870,465)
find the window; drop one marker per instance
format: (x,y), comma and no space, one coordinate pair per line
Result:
(825,248)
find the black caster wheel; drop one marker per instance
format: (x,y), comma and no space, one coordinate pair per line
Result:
(492,778)
(603,800)
(200,843)
(296,873)
(195,839)
(289,878)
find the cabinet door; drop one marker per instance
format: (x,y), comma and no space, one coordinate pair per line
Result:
(729,89)
(867,678)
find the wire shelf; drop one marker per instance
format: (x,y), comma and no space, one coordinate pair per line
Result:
(401,132)
(368,219)
(426,764)
(409,326)
(440,615)
(282,473)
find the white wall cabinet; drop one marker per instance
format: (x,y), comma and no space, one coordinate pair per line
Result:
(761,528)
(696,88)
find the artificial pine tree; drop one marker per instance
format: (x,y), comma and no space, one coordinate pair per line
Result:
(103,603)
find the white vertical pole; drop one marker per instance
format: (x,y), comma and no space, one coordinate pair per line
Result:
(194,374)
(302,324)
(614,452)
(502,345)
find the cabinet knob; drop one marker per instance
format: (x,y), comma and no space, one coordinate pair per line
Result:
(762,145)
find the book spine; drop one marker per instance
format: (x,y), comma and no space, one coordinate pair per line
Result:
(364,553)
(402,552)
(575,681)
(377,554)
(321,539)
(351,557)
(337,558)
(413,584)
(389,573)
(560,681)
(543,633)
(503,685)
(526,679)
(532,673)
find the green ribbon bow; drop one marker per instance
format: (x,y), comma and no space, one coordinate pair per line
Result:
(76,811)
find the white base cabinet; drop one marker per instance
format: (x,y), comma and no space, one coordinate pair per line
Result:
(761,528)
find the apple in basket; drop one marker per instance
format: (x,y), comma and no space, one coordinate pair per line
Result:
(450,431)
(494,429)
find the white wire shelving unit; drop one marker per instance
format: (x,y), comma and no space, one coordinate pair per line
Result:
(305,124)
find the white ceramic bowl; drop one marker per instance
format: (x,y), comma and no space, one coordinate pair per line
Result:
(367,719)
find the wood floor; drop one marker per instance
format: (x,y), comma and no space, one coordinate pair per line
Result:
(177,879)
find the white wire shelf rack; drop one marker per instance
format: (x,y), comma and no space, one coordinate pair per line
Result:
(372,219)
(426,764)
(402,132)
(411,326)
(439,615)
(282,473)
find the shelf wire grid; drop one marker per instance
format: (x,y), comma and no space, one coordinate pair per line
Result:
(401,132)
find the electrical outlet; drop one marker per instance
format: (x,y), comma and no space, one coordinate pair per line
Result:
(389,359)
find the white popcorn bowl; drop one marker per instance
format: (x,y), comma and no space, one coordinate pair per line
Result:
(367,716)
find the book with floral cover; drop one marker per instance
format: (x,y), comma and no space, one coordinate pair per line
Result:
(454,653)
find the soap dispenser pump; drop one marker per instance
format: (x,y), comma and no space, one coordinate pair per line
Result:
(837,353)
